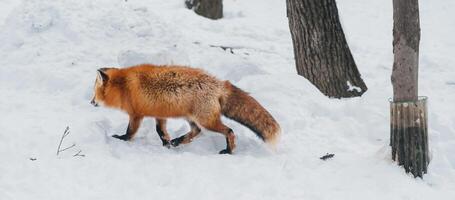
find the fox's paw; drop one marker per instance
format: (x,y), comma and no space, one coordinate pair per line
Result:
(225,151)
(176,141)
(167,144)
(122,137)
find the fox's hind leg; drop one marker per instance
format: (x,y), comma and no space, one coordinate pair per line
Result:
(162,132)
(135,122)
(218,126)
(187,138)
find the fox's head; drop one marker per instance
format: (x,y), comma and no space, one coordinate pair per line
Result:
(101,88)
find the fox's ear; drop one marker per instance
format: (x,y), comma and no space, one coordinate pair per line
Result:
(103,75)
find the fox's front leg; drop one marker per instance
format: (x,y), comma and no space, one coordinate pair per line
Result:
(135,122)
(162,132)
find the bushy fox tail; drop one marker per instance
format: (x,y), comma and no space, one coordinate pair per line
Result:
(243,108)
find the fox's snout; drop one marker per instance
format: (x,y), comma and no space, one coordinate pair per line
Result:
(93,102)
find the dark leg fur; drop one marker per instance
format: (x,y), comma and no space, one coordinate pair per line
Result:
(161,134)
(131,130)
(230,143)
(177,141)
(187,138)
(161,130)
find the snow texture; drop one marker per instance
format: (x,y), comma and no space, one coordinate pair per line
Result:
(50,51)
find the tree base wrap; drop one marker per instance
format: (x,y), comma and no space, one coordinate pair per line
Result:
(409,135)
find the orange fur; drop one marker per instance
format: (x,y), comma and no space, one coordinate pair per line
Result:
(175,91)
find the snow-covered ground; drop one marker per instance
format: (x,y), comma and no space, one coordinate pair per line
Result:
(50,50)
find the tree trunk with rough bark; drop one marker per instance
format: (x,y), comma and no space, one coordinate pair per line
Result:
(321,52)
(406,38)
(212,9)
(408,120)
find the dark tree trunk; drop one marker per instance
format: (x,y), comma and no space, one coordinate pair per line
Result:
(408,121)
(321,52)
(212,9)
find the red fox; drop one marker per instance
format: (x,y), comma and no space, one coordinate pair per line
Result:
(181,92)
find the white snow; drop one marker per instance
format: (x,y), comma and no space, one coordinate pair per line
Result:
(50,51)
(353,87)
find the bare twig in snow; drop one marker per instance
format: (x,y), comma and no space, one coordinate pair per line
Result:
(65,133)
(225,48)
(78,154)
(231,49)
(73,145)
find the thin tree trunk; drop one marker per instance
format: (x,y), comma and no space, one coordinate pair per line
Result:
(406,38)
(212,9)
(408,120)
(321,52)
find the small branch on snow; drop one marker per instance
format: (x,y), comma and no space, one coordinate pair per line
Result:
(327,156)
(65,133)
(229,49)
(59,149)
(73,145)
(78,154)
(225,48)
